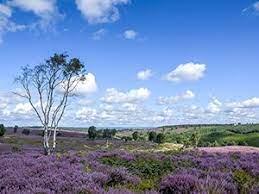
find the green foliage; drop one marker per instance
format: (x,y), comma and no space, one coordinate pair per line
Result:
(109,133)
(160,138)
(145,185)
(135,135)
(243,179)
(218,135)
(2,130)
(92,133)
(152,136)
(194,139)
(146,168)
(126,138)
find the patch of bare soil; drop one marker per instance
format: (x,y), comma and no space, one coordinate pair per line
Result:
(230,149)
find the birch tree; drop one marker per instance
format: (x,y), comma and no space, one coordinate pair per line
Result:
(48,87)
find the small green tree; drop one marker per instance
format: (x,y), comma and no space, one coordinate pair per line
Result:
(194,139)
(113,132)
(152,136)
(160,138)
(135,135)
(92,133)
(2,130)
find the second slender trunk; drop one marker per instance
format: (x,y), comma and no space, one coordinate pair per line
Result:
(46,142)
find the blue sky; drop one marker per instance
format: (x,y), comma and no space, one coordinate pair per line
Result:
(149,62)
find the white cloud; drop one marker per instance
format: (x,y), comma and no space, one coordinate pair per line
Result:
(39,7)
(87,86)
(6,24)
(249,103)
(98,34)
(214,106)
(132,96)
(187,72)
(100,11)
(22,108)
(130,34)
(174,99)
(145,74)
(46,10)
(5,10)
(86,114)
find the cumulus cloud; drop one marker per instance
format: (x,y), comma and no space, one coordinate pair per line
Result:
(39,7)
(100,11)
(132,96)
(83,87)
(130,34)
(249,103)
(174,99)
(87,86)
(145,74)
(6,24)
(187,72)
(5,10)
(214,106)
(46,10)
(86,114)
(23,108)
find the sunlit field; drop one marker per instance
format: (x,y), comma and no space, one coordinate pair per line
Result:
(113,165)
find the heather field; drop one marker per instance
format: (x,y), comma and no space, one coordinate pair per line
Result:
(81,165)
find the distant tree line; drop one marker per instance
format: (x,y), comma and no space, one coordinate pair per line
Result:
(93,133)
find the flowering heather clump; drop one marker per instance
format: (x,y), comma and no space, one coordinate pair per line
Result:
(121,172)
(183,183)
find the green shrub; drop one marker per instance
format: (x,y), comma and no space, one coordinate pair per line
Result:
(146,184)
(152,136)
(92,133)
(194,139)
(135,135)
(2,130)
(243,180)
(147,168)
(160,138)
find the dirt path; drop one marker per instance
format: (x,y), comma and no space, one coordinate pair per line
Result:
(230,149)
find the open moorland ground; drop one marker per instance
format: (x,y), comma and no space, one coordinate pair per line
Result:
(81,165)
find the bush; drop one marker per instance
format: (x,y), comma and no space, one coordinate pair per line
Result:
(152,136)
(26,131)
(92,133)
(126,138)
(2,130)
(194,139)
(243,179)
(135,135)
(160,138)
(15,129)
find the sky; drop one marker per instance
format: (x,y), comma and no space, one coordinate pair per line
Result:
(148,62)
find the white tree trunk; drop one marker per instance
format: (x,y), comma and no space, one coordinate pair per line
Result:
(54,139)
(46,141)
